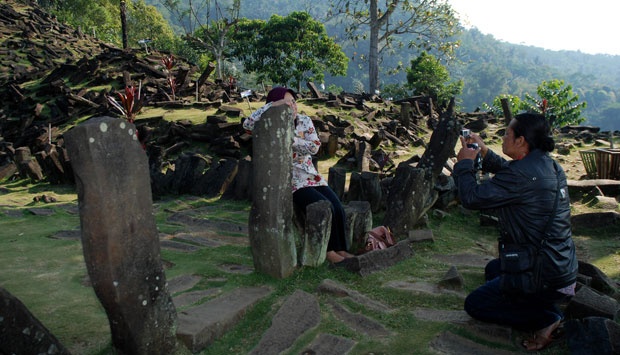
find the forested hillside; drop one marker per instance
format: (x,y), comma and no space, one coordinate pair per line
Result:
(487,67)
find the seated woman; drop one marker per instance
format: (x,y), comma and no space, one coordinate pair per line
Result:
(529,195)
(308,185)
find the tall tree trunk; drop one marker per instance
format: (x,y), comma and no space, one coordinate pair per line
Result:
(373,51)
(124,24)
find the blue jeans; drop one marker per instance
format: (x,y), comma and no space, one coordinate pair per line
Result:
(308,195)
(529,312)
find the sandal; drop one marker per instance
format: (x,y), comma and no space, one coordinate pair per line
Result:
(540,341)
(537,342)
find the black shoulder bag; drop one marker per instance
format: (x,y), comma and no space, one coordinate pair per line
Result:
(521,264)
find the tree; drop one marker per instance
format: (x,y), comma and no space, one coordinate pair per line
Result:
(557,102)
(427,76)
(100,18)
(145,22)
(428,24)
(211,35)
(289,49)
(514,102)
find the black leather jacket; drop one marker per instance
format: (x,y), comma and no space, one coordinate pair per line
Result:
(522,194)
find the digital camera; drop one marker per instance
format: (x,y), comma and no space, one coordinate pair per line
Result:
(478,162)
(466,133)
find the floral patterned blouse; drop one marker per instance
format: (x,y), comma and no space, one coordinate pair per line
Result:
(305,144)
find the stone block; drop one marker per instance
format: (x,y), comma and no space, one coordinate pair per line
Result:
(589,303)
(200,326)
(359,221)
(299,313)
(21,332)
(375,260)
(317,231)
(452,280)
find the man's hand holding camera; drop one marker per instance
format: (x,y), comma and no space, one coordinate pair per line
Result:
(472,148)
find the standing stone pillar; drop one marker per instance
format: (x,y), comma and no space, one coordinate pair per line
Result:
(272,236)
(337,180)
(119,235)
(405,112)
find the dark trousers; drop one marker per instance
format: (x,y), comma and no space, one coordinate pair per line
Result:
(530,312)
(307,195)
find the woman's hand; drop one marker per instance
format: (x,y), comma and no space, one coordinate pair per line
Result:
(465,152)
(475,138)
(287,101)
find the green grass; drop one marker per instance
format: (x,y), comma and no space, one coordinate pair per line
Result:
(49,275)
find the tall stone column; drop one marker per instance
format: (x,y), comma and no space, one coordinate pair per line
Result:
(272,236)
(119,235)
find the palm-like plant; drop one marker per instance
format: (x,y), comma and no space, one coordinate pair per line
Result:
(168,62)
(130,102)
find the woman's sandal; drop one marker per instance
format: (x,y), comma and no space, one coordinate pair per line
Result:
(539,341)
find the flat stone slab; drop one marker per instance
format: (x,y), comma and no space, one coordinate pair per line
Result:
(359,322)
(178,246)
(71,208)
(13,213)
(182,283)
(440,315)
(193,297)
(421,235)
(67,235)
(299,313)
(450,343)
(381,259)
(332,287)
(41,211)
(423,287)
(609,187)
(237,269)
(202,223)
(494,333)
(468,260)
(327,344)
(595,219)
(205,239)
(200,326)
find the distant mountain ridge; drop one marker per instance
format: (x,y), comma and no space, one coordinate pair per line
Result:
(487,66)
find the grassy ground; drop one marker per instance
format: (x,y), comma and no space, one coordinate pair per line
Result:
(49,275)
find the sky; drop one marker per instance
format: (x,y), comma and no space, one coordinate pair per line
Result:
(590,26)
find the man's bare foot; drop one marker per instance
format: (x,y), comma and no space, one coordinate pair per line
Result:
(542,338)
(333,257)
(345,254)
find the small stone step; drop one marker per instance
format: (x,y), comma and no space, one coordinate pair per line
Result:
(381,259)
(327,344)
(299,313)
(192,297)
(200,326)
(182,283)
(450,343)
(332,287)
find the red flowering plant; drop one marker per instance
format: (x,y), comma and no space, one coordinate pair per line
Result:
(168,62)
(130,102)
